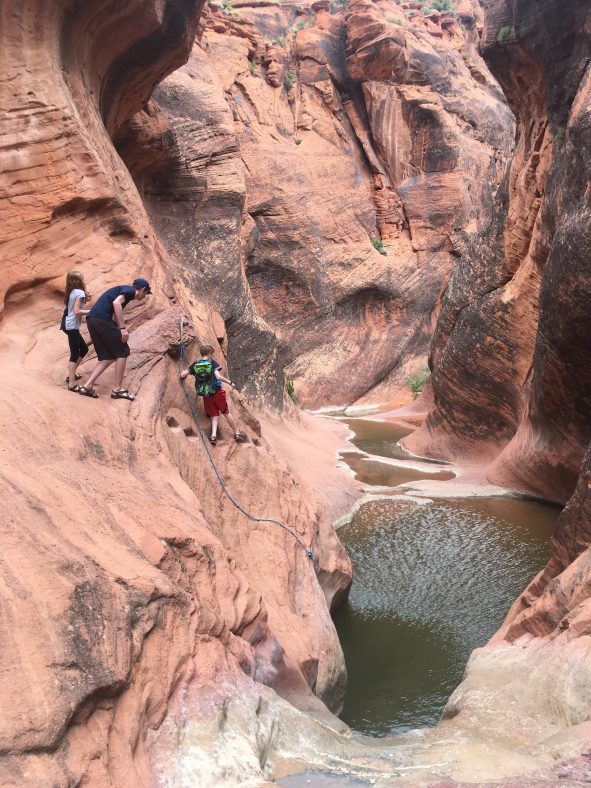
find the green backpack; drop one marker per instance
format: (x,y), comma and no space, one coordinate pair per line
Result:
(205,380)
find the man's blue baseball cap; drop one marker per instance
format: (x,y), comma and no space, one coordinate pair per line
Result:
(142,283)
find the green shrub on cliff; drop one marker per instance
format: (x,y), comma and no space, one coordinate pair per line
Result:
(280,40)
(395,21)
(443,5)
(378,244)
(289,80)
(251,66)
(559,133)
(503,33)
(229,9)
(291,392)
(418,382)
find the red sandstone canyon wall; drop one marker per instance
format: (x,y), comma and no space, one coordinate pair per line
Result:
(510,356)
(248,185)
(126,576)
(377,122)
(510,353)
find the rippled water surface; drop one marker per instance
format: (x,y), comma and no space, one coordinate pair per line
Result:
(431,583)
(377,437)
(378,473)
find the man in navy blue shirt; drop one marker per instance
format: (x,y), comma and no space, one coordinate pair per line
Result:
(109,334)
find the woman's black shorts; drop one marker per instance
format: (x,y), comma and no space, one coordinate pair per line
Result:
(107,339)
(78,347)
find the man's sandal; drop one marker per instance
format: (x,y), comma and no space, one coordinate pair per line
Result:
(87,392)
(77,376)
(75,388)
(239,437)
(122,394)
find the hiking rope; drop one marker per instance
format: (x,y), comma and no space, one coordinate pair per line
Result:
(182,364)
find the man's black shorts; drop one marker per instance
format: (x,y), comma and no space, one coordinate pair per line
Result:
(106,338)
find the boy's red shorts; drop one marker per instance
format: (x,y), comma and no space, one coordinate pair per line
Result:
(215,404)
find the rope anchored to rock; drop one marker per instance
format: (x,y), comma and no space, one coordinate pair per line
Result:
(182,364)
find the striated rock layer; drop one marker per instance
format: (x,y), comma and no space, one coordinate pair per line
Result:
(511,381)
(126,575)
(374,124)
(150,633)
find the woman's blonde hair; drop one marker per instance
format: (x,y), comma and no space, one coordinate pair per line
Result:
(74,280)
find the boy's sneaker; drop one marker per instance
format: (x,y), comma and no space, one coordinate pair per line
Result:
(239,437)
(213,440)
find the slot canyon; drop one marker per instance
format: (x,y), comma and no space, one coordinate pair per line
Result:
(341,198)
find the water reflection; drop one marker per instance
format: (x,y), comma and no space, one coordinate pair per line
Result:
(371,472)
(431,583)
(380,438)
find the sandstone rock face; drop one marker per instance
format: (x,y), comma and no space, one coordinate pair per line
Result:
(555,606)
(126,574)
(358,126)
(148,629)
(511,381)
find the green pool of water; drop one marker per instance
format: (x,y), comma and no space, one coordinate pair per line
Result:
(377,437)
(431,583)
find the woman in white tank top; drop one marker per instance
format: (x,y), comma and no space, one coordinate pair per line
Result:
(75,301)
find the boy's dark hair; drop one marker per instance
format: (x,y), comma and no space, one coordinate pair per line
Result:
(205,350)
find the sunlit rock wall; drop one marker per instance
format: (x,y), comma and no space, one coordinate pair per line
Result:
(510,352)
(371,124)
(126,575)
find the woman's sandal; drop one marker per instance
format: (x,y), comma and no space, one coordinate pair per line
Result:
(213,440)
(77,376)
(122,394)
(75,388)
(239,437)
(87,392)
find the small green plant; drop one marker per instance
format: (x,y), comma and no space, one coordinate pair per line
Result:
(442,5)
(301,25)
(227,6)
(410,13)
(378,244)
(559,133)
(251,66)
(503,33)
(395,21)
(280,40)
(229,9)
(298,142)
(291,392)
(289,80)
(418,382)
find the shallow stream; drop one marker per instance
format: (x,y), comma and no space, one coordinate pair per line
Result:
(432,581)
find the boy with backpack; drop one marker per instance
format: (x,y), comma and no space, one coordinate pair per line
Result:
(208,384)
